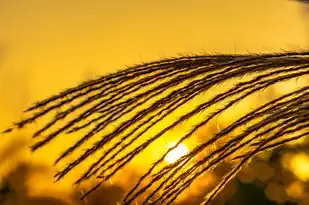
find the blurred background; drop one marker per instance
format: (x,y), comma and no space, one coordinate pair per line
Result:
(47,46)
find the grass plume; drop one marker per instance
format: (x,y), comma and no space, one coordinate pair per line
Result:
(165,86)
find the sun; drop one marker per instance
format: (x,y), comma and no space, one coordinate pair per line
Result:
(175,154)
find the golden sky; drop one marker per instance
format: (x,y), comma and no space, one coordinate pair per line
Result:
(47,46)
(50,45)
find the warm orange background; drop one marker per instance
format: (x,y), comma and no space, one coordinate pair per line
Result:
(50,45)
(47,46)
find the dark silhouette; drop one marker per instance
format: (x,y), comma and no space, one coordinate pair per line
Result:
(14,189)
(136,99)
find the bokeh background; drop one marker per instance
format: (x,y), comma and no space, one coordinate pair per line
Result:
(47,46)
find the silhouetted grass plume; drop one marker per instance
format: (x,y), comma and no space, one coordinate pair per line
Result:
(136,99)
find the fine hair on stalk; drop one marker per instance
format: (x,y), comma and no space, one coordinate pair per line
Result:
(149,93)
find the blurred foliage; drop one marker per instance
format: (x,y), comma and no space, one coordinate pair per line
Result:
(274,177)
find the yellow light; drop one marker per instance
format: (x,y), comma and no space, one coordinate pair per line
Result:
(300,166)
(175,154)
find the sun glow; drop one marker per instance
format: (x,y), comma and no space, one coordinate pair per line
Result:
(300,166)
(175,154)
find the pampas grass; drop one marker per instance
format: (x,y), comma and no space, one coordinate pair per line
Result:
(136,99)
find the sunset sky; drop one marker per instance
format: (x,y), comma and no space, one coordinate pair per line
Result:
(47,46)
(50,45)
